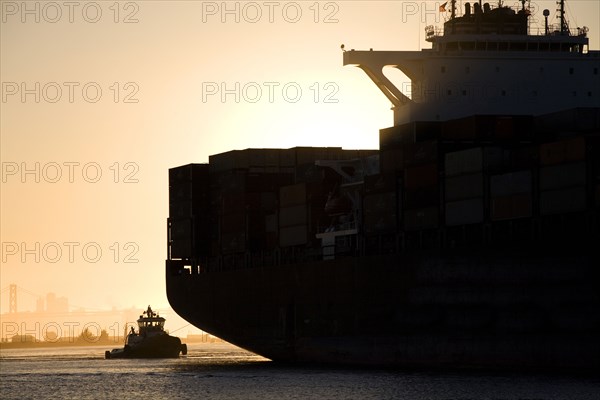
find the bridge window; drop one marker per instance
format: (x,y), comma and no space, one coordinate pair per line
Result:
(571,71)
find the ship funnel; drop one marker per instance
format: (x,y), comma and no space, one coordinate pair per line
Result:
(477,8)
(486,8)
(468,9)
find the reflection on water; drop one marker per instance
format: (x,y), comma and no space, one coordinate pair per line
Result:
(221,371)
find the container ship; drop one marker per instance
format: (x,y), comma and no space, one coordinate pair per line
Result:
(468,239)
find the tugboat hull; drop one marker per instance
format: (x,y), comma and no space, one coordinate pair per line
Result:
(155,347)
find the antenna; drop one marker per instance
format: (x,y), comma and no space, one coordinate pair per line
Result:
(564,26)
(546,14)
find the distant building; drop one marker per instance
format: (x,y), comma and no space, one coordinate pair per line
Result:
(39,305)
(56,304)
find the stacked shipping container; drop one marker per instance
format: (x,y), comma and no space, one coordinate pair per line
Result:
(437,180)
(188,202)
(464,187)
(563,176)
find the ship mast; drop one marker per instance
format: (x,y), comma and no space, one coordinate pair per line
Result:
(564,26)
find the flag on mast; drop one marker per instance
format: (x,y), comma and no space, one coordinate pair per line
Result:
(443,7)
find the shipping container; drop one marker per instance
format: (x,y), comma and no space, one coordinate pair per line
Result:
(422,197)
(459,129)
(293,235)
(269,201)
(291,195)
(232,203)
(572,120)
(271,223)
(562,176)
(463,187)
(188,190)
(498,159)
(421,176)
(511,183)
(305,155)
(287,158)
(486,127)
(411,132)
(391,160)
(311,173)
(379,212)
(511,207)
(464,212)
(494,158)
(422,218)
(293,215)
(563,200)
(192,172)
(181,248)
(233,222)
(233,242)
(235,159)
(421,153)
(181,228)
(564,151)
(181,236)
(386,182)
(187,208)
(464,162)
(230,181)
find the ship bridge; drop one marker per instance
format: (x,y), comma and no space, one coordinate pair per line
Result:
(486,62)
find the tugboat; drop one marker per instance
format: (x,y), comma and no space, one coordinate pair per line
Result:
(151,340)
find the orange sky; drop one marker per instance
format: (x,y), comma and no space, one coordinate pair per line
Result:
(161,67)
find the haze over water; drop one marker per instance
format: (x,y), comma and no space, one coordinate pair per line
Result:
(221,371)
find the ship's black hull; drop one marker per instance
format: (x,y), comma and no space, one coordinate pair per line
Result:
(534,309)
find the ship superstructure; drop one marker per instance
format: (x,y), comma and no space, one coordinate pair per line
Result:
(487,62)
(467,239)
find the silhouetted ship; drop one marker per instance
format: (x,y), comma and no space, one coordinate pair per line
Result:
(150,341)
(469,239)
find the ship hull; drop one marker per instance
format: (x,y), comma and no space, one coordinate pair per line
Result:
(496,309)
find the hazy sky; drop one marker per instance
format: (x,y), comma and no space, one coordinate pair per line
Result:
(100,99)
